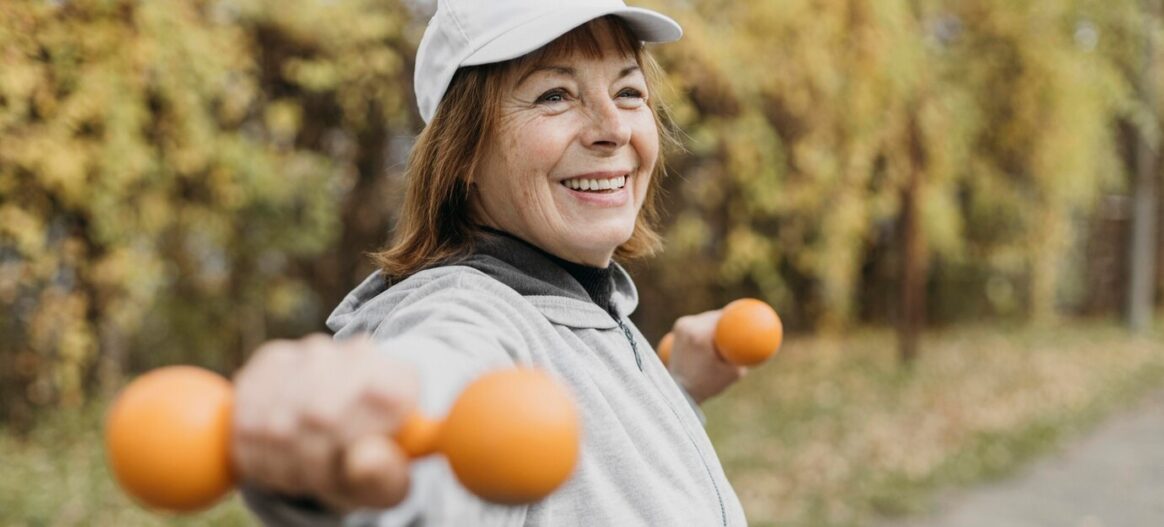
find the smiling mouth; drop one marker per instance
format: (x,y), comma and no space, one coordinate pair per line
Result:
(598,186)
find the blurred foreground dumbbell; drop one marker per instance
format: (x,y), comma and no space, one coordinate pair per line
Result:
(511,437)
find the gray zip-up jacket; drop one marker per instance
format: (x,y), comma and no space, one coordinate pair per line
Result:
(645,458)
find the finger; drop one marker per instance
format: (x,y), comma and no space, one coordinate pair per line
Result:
(390,383)
(276,459)
(387,396)
(269,417)
(319,458)
(263,456)
(253,384)
(256,389)
(375,470)
(373,415)
(284,424)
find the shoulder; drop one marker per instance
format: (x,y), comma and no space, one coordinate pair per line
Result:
(442,290)
(450,281)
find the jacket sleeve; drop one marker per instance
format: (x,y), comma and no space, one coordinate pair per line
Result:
(451,335)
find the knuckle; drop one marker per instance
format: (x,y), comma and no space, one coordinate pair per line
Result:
(273,354)
(317,339)
(243,458)
(278,429)
(319,459)
(318,416)
(317,356)
(383,396)
(246,431)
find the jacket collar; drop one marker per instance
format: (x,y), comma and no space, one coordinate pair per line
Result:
(522,267)
(539,277)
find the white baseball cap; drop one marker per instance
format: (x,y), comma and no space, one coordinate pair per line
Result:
(474,32)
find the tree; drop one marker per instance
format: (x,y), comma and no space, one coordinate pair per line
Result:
(165,170)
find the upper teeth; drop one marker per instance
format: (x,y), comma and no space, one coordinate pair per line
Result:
(596,184)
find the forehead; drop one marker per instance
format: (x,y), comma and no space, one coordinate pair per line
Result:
(606,37)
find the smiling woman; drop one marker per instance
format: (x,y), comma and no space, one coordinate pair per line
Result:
(568,128)
(538,168)
(497,121)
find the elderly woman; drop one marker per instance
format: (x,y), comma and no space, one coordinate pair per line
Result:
(539,165)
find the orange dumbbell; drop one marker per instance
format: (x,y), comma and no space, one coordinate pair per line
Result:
(511,437)
(748,332)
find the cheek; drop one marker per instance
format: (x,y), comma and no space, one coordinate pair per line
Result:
(533,153)
(539,149)
(646,145)
(645,141)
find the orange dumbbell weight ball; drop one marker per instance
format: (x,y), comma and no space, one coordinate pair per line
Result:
(167,437)
(748,332)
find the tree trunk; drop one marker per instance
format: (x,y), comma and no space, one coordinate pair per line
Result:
(913,252)
(112,357)
(1141,289)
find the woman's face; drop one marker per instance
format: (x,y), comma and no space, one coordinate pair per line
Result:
(568,166)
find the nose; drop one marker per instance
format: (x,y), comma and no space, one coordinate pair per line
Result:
(607,129)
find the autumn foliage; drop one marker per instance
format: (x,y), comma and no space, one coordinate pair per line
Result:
(182,180)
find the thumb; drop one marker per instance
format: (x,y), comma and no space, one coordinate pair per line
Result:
(375,471)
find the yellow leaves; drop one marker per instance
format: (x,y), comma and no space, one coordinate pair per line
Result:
(754,161)
(283,119)
(746,250)
(18,83)
(688,234)
(312,75)
(286,297)
(64,167)
(1003,110)
(375,26)
(118,267)
(126,279)
(154,213)
(226,190)
(381,61)
(24,230)
(942,221)
(59,333)
(152,152)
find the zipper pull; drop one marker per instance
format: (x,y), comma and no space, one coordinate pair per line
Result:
(631,339)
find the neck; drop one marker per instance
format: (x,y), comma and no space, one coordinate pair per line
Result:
(597,281)
(597,262)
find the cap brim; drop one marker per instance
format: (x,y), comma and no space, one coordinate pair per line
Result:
(648,26)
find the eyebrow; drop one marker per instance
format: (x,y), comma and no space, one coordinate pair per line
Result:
(569,72)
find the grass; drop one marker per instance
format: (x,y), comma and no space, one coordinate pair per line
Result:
(831,433)
(834,433)
(58,477)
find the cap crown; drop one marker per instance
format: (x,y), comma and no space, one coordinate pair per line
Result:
(472,32)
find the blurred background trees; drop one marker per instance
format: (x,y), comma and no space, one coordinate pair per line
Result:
(180,181)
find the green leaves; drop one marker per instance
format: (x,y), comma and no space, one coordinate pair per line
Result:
(181,180)
(1007,111)
(164,162)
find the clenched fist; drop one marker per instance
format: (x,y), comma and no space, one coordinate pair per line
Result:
(694,362)
(315,417)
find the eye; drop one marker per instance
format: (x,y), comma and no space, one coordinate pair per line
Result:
(631,98)
(555,95)
(630,93)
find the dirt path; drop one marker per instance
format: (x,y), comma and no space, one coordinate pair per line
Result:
(1113,477)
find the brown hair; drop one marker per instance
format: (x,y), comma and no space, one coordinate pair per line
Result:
(435,223)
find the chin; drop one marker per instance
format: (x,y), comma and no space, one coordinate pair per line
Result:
(607,241)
